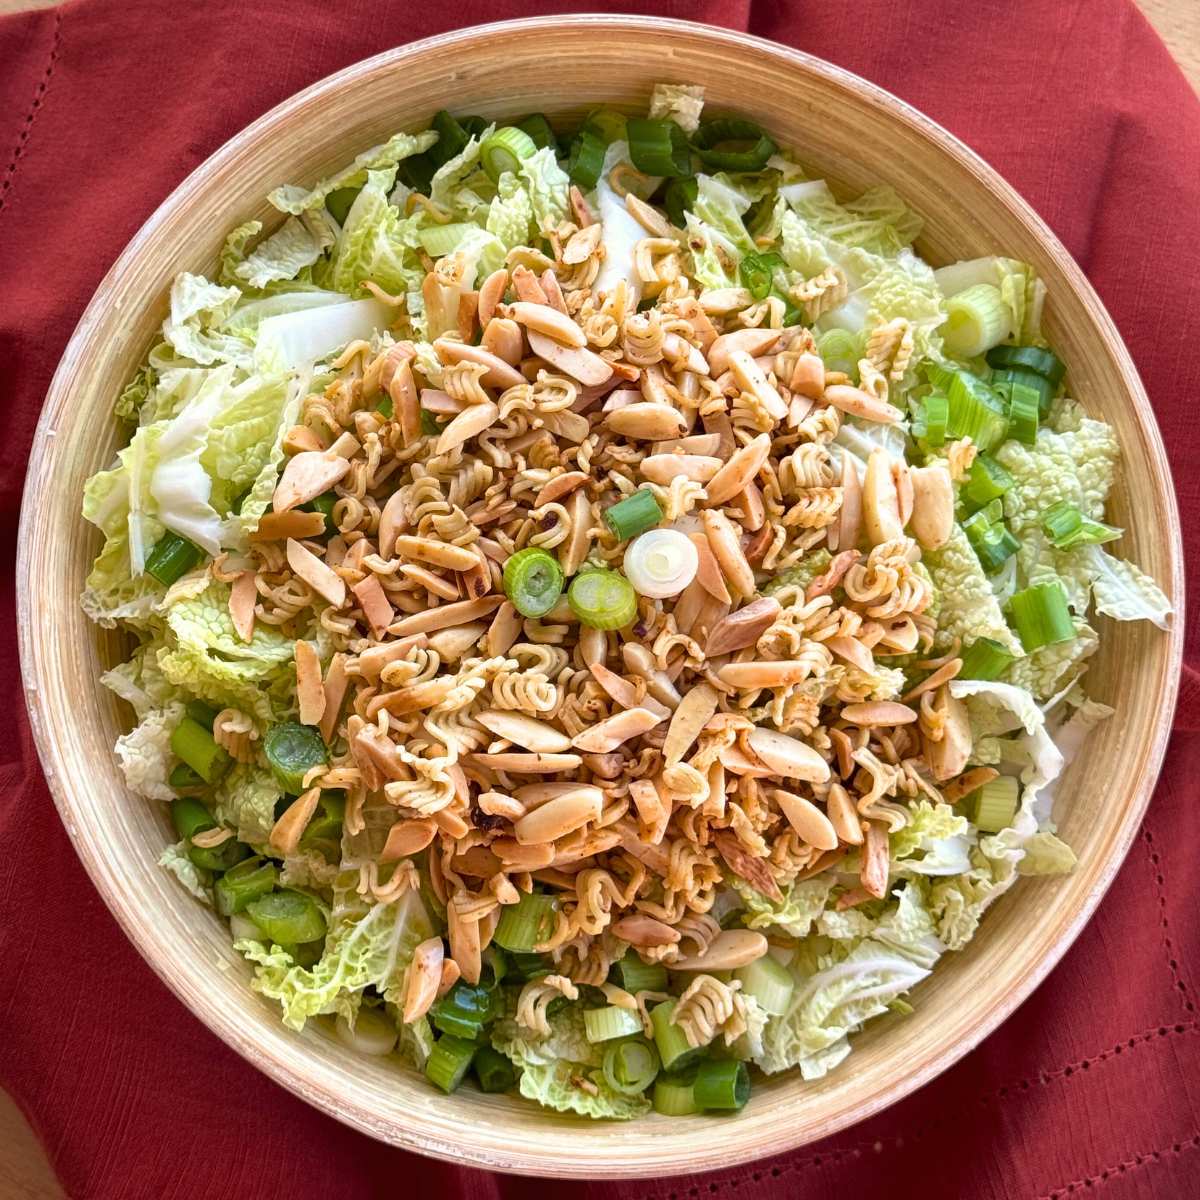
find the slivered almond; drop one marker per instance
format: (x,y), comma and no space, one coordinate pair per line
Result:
(646,800)
(554,295)
(445,615)
(407,837)
(375,605)
(293,523)
(310,693)
(582,364)
(440,554)
(751,377)
(808,376)
(504,630)
(504,339)
(300,438)
(806,819)
(641,930)
(346,445)
(469,423)
(560,816)
(737,763)
(843,815)
(750,509)
(616,730)
(442,404)
(243,596)
(305,477)
(858,403)
(751,342)
(559,486)
(705,445)
(968,782)
(373,659)
(640,661)
(730,949)
(500,374)
(662,468)
(423,979)
(525,284)
(525,731)
(315,573)
(517,857)
(336,681)
(763,674)
(288,830)
(574,550)
(529,764)
(646,421)
(849,522)
(447,589)
(694,712)
(787,756)
(853,651)
(450,976)
(544,319)
(742,628)
(740,470)
(838,567)
(605,766)
(534,795)
(491,293)
(948,756)
(417,698)
(876,860)
(877,712)
(708,573)
(726,546)
(625,693)
(392,520)
(451,644)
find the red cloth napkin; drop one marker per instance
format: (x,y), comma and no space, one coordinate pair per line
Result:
(1093,1085)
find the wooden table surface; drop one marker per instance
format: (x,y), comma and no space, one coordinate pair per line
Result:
(24,1172)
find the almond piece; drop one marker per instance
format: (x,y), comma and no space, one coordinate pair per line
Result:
(310,693)
(315,573)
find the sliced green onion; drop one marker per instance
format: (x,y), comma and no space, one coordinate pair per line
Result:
(496,964)
(505,150)
(1022,413)
(630,1067)
(658,147)
(722,1084)
(473,126)
(417,172)
(172,558)
(757,272)
(635,514)
(184,781)
(528,965)
(528,923)
(769,982)
(606,124)
(292,751)
(430,425)
(494,1072)
(221,857)
(1067,527)
(373,1032)
(661,563)
(603,599)
(539,130)
(679,198)
(1041,616)
(339,203)
(986,481)
(194,744)
(976,320)
(636,976)
(975,410)
(288,917)
(992,541)
(190,817)
(1040,361)
(386,407)
(464,1010)
(533,581)
(585,161)
(985,659)
(673,1095)
(440,240)
(996,804)
(840,350)
(604,1024)
(323,833)
(1004,381)
(671,1041)
(249,880)
(323,504)
(449,1062)
(729,144)
(929,421)
(452,138)
(201,713)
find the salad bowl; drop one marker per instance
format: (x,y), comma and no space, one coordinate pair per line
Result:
(849,132)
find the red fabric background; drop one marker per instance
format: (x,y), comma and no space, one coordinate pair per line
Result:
(1092,1086)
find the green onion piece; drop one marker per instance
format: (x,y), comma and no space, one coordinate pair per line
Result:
(673,1095)
(929,421)
(630,1067)
(452,138)
(339,203)
(1003,381)
(1022,413)
(533,581)
(194,744)
(990,538)
(602,599)
(996,804)
(975,410)
(430,425)
(539,131)
(758,272)
(505,150)
(985,659)
(679,198)
(496,964)
(637,976)
(1067,527)
(1040,361)
(323,504)
(386,407)
(303,954)
(528,965)
(671,1041)
(249,880)
(528,923)
(190,817)
(658,147)
(722,1083)
(220,857)
(635,514)
(440,240)
(986,481)
(494,1072)
(184,780)
(288,917)
(292,751)
(585,160)
(464,1010)
(417,172)
(323,833)
(791,314)
(976,320)
(449,1062)
(172,558)
(201,713)
(607,124)
(1041,616)
(769,982)
(604,1024)
(729,144)
(840,350)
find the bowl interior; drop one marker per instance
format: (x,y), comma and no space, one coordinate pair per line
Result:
(843,129)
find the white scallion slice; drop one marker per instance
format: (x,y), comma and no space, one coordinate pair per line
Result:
(661,563)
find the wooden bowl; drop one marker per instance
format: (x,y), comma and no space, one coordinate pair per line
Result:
(847,130)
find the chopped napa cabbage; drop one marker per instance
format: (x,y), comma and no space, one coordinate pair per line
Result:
(139,682)
(245,799)
(934,842)
(415,1043)
(144,753)
(803,902)
(298,243)
(678,102)
(510,214)
(198,310)
(292,340)
(174,859)
(235,251)
(366,946)
(449,188)
(549,188)
(1043,671)
(1046,854)
(621,232)
(1123,591)
(969,608)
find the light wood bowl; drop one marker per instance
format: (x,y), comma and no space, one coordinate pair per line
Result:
(847,130)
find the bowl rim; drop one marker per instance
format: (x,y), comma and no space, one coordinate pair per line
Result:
(341,1107)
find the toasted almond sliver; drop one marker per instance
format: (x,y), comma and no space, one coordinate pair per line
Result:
(300,438)
(968,782)
(843,816)
(662,468)
(288,830)
(726,546)
(615,730)
(788,756)
(524,731)
(374,603)
(407,837)
(274,526)
(243,596)
(451,644)
(416,698)
(306,476)
(878,712)
(335,685)
(504,630)
(731,948)
(373,659)
(424,978)
(469,423)
(447,589)
(310,693)
(560,486)
(694,712)
(806,819)
(529,764)
(545,319)
(584,365)
(445,615)
(560,816)
(315,573)
(732,479)
(440,554)
(875,860)
(639,929)
(754,674)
